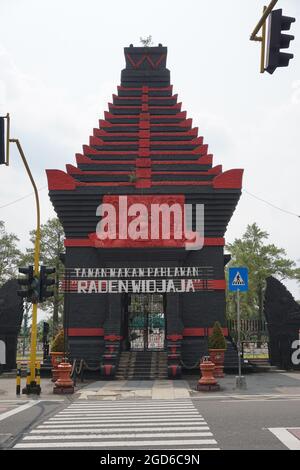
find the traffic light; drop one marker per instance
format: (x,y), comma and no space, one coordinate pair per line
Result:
(45,330)
(2,141)
(45,282)
(31,283)
(278,40)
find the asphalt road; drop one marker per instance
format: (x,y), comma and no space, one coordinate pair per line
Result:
(13,428)
(227,423)
(244,425)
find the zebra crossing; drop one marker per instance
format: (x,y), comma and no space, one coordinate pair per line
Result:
(148,424)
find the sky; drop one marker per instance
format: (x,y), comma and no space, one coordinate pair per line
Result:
(60,62)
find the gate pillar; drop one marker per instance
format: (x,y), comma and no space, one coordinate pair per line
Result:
(112,336)
(174,335)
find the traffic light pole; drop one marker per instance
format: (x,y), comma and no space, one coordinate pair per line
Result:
(33,385)
(261,25)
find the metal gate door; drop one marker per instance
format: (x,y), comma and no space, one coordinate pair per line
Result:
(146,322)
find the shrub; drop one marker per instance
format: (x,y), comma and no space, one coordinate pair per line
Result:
(216,340)
(57,344)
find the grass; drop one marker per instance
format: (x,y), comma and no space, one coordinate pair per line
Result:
(256,356)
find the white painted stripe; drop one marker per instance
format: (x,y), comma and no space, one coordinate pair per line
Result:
(116,425)
(120,420)
(132,410)
(288,439)
(21,400)
(121,416)
(120,436)
(18,409)
(96,429)
(13,401)
(130,403)
(129,410)
(114,403)
(149,401)
(126,413)
(124,407)
(108,444)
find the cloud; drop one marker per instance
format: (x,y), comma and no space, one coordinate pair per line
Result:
(49,116)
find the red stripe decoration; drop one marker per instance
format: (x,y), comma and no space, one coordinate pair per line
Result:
(231,179)
(77,242)
(146,57)
(103,133)
(140,97)
(86,332)
(201,331)
(165,88)
(137,107)
(180,116)
(185,123)
(199,150)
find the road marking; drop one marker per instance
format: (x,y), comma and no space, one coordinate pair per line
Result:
(124,436)
(287,438)
(150,402)
(108,444)
(116,428)
(116,409)
(58,430)
(118,425)
(18,409)
(120,420)
(67,414)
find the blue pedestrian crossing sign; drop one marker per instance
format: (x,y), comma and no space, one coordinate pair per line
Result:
(238,279)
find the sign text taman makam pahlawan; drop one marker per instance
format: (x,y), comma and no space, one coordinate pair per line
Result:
(137,280)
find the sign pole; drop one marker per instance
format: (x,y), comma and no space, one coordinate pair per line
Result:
(240,380)
(238,282)
(239,334)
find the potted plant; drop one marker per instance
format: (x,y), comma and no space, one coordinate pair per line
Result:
(57,354)
(217,347)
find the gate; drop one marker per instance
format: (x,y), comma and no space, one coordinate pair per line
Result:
(146,322)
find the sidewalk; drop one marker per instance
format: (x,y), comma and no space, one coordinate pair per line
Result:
(273,384)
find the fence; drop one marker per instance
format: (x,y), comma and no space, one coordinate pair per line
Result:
(251,330)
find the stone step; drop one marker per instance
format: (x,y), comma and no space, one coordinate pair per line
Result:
(142,365)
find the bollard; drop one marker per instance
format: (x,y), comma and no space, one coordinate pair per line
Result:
(240,382)
(64,383)
(25,389)
(207,383)
(33,387)
(27,376)
(18,379)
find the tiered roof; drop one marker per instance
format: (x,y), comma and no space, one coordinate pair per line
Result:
(145,144)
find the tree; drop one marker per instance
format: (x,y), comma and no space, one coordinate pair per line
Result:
(9,254)
(298,274)
(262,260)
(52,246)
